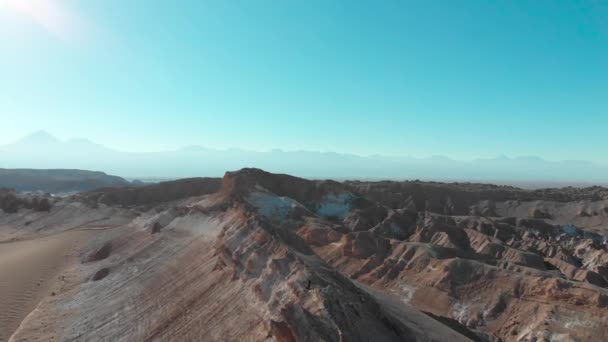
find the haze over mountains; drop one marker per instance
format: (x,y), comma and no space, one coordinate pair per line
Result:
(44,151)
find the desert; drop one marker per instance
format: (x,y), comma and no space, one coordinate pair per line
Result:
(257,256)
(303,171)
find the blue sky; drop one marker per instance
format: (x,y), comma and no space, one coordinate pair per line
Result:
(464,79)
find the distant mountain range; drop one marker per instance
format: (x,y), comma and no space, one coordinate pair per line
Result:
(41,150)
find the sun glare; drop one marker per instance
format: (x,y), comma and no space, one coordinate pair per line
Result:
(51,15)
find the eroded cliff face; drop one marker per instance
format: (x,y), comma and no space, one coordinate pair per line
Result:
(268,257)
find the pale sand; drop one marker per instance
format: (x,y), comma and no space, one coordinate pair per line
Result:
(29,270)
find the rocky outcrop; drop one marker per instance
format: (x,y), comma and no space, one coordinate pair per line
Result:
(11,201)
(154,193)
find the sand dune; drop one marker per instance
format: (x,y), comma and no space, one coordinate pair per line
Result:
(29,270)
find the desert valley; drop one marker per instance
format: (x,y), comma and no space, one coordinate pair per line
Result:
(303,171)
(257,256)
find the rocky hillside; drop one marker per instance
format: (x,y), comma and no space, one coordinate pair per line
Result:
(57,181)
(267,257)
(11,201)
(153,194)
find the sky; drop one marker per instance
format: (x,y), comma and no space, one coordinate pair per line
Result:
(463,79)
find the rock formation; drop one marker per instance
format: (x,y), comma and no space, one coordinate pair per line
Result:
(266,257)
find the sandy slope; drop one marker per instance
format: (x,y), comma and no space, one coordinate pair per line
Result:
(29,271)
